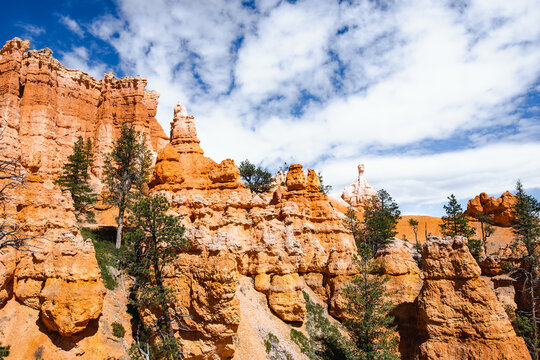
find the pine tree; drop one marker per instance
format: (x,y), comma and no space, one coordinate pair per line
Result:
(380,219)
(455,223)
(4,351)
(256,178)
(153,240)
(127,168)
(526,230)
(370,323)
(75,176)
(325,189)
(414,224)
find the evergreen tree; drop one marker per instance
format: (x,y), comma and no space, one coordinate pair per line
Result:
(370,323)
(4,351)
(75,176)
(325,189)
(526,230)
(380,219)
(256,178)
(127,168)
(455,223)
(414,224)
(153,240)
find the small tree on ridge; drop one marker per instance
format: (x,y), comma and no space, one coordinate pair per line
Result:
(127,168)
(75,176)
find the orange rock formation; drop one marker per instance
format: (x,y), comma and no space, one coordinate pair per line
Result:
(499,209)
(279,238)
(460,316)
(46,106)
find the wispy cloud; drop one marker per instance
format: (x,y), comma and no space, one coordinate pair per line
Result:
(325,83)
(30,31)
(78,58)
(72,25)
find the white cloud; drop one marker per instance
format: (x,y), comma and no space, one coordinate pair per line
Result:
(78,58)
(72,25)
(324,83)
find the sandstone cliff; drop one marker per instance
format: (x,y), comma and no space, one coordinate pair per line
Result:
(284,239)
(459,315)
(46,106)
(51,298)
(250,253)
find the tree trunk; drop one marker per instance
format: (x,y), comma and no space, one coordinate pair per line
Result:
(533,306)
(119,229)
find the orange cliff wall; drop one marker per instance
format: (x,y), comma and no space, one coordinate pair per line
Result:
(46,106)
(52,300)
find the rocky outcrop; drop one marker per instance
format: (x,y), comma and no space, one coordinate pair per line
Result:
(46,106)
(360,192)
(404,283)
(499,209)
(279,238)
(57,285)
(459,314)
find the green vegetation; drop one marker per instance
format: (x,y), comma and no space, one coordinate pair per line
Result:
(256,178)
(118,330)
(270,341)
(106,253)
(414,224)
(324,340)
(75,176)
(4,351)
(523,326)
(151,244)
(486,229)
(380,219)
(325,189)
(370,324)
(127,168)
(455,222)
(526,230)
(475,247)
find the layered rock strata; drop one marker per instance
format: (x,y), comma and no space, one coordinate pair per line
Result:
(498,209)
(46,106)
(459,315)
(279,238)
(360,192)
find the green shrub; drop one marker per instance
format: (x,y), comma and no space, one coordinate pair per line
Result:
(475,247)
(256,178)
(118,330)
(106,252)
(270,341)
(4,351)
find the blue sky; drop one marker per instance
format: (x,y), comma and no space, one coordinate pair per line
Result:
(435,97)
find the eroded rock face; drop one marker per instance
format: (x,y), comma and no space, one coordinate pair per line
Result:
(499,209)
(46,106)
(358,193)
(460,316)
(279,238)
(60,277)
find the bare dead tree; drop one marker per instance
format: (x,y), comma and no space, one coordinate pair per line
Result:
(12,232)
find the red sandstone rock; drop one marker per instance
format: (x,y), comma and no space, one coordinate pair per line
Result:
(48,105)
(499,209)
(460,316)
